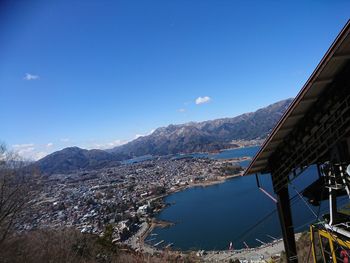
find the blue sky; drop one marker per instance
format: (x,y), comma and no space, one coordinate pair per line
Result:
(98,73)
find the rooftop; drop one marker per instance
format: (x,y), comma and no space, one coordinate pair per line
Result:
(335,59)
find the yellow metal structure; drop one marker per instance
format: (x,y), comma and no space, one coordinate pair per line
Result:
(329,247)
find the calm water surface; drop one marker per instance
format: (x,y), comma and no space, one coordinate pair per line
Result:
(210,217)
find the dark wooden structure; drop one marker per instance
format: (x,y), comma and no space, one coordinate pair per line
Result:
(314,129)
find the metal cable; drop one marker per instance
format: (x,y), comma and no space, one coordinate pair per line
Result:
(317,217)
(244,234)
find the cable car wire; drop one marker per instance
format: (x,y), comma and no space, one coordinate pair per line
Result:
(293,201)
(263,219)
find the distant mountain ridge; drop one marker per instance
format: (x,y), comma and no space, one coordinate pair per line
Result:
(208,135)
(74,158)
(190,137)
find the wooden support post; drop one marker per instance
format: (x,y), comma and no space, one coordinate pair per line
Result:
(285,216)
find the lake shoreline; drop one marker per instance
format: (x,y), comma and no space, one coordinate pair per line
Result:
(152,223)
(265,251)
(155,223)
(208,154)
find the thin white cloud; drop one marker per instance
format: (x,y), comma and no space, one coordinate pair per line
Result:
(25,151)
(181,110)
(38,155)
(142,135)
(117,143)
(29,76)
(103,146)
(202,100)
(65,140)
(23,146)
(28,151)
(50,144)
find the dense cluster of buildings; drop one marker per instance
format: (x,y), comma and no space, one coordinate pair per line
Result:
(121,196)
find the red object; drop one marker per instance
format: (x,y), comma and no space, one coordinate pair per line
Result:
(344,254)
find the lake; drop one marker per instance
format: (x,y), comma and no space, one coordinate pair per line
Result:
(225,154)
(210,217)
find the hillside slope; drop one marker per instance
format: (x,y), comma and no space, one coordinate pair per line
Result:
(208,135)
(74,158)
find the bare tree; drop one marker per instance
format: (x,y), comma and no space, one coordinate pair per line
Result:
(18,186)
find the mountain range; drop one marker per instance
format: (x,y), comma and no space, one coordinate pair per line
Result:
(74,158)
(190,137)
(206,136)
